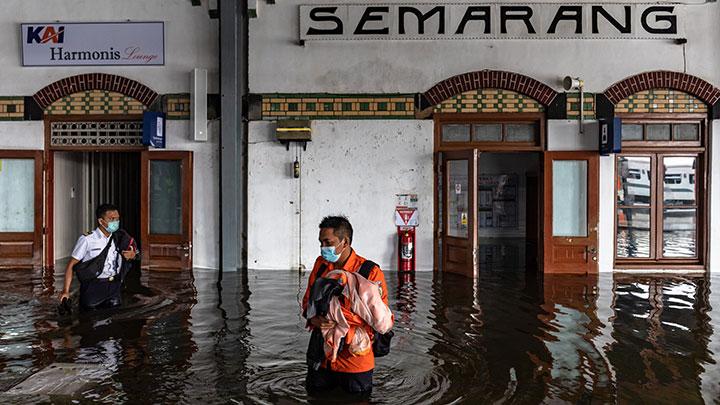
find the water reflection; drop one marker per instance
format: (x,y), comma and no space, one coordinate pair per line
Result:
(508,338)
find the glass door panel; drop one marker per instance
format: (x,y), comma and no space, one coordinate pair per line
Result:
(457,198)
(17,195)
(570,196)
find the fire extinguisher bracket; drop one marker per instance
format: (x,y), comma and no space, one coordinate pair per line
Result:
(406,220)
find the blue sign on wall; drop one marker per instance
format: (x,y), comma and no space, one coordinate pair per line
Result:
(154,129)
(610,136)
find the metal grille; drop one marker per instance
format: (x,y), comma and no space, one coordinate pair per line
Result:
(102,134)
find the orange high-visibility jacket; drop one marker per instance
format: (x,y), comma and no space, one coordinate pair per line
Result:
(347,362)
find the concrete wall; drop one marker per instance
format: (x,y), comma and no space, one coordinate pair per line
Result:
(206,189)
(412,66)
(353,168)
(69,217)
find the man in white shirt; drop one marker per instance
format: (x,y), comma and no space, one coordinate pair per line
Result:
(104,289)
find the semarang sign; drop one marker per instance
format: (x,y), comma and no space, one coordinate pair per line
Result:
(491,21)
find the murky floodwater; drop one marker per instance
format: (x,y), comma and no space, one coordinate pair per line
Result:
(509,338)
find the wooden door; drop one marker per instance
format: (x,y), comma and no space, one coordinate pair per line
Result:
(166,210)
(571,212)
(21,208)
(459,234)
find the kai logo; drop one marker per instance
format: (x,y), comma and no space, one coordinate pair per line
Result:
(43,34)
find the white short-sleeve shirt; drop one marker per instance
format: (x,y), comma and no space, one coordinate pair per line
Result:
(91,245)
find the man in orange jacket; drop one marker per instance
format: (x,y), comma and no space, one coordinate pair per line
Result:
(350,372)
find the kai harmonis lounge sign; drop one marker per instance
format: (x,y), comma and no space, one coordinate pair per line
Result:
(491,21)
(93,44)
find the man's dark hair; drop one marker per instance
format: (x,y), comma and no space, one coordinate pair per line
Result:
(340,225)
(103,209)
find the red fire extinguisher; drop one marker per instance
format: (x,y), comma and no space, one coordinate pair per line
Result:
(407,250)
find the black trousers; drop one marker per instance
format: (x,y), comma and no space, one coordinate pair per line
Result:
(96,294)
(359,384)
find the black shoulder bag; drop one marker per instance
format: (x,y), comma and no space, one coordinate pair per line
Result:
(91,269)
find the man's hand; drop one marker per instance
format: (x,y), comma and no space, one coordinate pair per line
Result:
(321,322)
(129,254)
(64,294)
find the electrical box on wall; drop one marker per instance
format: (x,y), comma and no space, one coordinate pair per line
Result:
(198,105)
(610,135)
(288,131)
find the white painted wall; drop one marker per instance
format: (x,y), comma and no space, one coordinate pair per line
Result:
(519,164)
(206,189)
(353,168)
(69,218)
(22,134)
(415,66)
(191,41)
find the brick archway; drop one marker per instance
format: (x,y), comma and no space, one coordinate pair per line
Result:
(693,85)
(94,81)
(497,79)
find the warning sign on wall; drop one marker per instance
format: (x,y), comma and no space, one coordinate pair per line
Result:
(405,216)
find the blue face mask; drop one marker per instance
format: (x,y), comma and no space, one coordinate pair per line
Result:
(113,226)
(328,253)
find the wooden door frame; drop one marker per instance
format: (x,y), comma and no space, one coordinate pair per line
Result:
(593,196)
(472,203)
(49,154)
(187,200)
(39,182)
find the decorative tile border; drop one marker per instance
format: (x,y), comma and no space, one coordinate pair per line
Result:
(661,101)
(12,108)
(573,105)
(489,101)
(333,106)
(176,106)
(99,102)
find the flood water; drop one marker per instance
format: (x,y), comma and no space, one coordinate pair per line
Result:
(507,338)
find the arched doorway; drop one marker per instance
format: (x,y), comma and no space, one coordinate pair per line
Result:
(489,142)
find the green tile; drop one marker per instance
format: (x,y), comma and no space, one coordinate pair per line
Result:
(309,106)
(328,106)
(346,106)
(292,106)
(364,106)
(382,106)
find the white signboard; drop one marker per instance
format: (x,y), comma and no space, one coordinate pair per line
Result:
(562,20)
(93,44)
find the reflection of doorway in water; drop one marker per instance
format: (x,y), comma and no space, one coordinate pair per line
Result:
(84,180)
(508,211)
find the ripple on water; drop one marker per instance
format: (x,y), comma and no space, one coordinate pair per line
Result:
(508,338)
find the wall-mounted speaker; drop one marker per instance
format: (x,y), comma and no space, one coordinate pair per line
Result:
(198,104)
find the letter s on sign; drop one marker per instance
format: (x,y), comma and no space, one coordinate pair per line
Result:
(325,15)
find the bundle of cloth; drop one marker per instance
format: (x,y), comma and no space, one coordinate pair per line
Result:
(351,301)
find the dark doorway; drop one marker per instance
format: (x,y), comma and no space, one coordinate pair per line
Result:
(508,211)
(84,180)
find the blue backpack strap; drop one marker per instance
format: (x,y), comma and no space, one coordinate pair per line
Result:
(366,268)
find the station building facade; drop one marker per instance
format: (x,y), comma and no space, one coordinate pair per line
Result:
(461,105)
(71,129)
(464,105)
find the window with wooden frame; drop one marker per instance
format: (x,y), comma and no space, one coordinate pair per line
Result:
(514,131)
(660,194)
